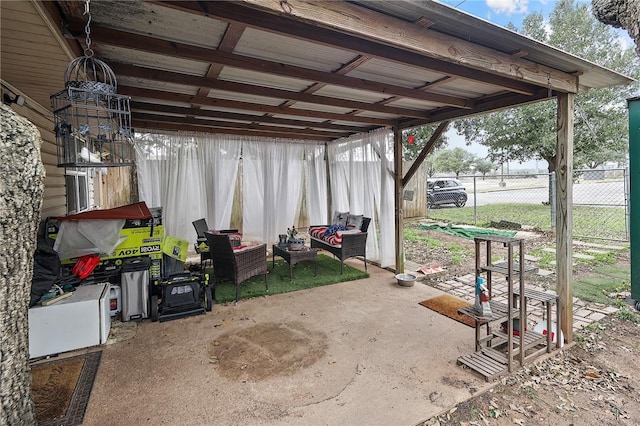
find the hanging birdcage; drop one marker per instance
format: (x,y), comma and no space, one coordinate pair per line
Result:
(92,122)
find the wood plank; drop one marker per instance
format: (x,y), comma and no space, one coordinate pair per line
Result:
(247,117)
(198,53)
(235,12)
(488,104)
(484,364)
(153,125)
(564,212)
(195,81)
(300,132)
(353,19)
(162,95)
(435,137)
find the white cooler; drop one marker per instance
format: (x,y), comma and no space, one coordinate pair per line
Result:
(76,322)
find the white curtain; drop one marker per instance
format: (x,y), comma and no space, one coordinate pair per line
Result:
(316,185)
(219,163)
(272,187)
(193,175)
(189,175)
(361,177)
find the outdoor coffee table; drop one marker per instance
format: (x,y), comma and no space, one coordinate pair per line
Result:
(295,256)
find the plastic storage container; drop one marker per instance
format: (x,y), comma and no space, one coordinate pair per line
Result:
(134,282)
(115,300)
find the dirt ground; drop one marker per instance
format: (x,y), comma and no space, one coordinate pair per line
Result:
(595,381)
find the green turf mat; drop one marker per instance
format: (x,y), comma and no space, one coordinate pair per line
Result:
(328,273)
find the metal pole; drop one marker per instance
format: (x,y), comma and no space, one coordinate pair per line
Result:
(634,194)
(626,202)
(475,202)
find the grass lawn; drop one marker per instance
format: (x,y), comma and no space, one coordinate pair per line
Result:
(595,222)
(278,279)
(606,279)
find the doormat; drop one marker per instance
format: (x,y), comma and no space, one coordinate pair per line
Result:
(61,388)
(448,306)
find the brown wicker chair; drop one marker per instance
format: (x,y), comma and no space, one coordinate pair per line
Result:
(352,245)
(237,266)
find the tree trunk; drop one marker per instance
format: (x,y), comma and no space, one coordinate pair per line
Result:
(21,188)
(620,13)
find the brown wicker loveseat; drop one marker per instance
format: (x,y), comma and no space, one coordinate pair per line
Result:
(351,242)
(235,264)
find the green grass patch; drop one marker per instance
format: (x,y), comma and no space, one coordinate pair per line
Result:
(537,216)
(615,272)
(601,222)
(458,253)
(545,258)
(606,279)
(278,278)
(411,234)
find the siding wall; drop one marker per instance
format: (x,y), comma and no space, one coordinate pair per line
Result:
(54,202)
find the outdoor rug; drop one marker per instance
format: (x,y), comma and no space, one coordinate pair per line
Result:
(279,282)
(448,306)
(61,388)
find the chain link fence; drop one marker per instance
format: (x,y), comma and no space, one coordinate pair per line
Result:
(527,200)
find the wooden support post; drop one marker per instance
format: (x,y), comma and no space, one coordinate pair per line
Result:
(564,212)
(398,199)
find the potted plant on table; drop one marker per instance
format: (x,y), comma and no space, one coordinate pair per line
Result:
(294,242)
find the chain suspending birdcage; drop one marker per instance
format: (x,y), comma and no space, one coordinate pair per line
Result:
(92,122)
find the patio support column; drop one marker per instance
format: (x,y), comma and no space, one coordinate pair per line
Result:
(398,191)
(564,211)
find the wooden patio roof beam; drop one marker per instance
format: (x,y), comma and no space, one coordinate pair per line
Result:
(159,46)
(303,131)
(161,125)
(161,95)
(195,81)
(488,104)
(341,16)
(268,21)
(169,109)
(425,151)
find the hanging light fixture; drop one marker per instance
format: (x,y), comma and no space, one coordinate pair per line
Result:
(92,122)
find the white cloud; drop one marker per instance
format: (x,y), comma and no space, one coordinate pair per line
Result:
(509,7)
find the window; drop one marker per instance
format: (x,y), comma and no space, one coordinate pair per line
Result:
(77,186)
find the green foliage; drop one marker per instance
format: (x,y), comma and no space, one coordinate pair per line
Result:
(455,160)
(458,253)
(483,166)
(628,315)
(601,128)
(411,234)
(421,136)
(545,258)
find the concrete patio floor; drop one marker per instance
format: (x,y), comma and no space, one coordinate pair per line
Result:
(380,359)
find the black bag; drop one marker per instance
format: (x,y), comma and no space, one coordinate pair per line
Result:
(46,270)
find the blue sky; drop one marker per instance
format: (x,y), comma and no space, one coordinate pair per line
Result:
(502,12)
